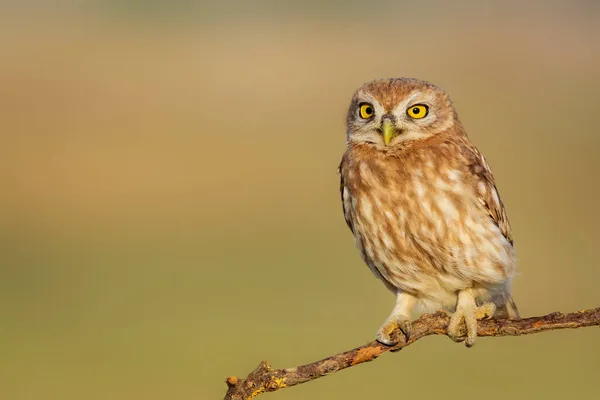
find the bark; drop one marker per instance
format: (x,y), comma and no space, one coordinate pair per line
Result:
(265,379)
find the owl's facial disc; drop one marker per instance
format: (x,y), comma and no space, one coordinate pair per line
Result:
(388,113)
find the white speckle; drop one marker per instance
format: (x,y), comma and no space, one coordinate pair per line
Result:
(448,209)
(426,233)
(367,175)
(419,188)
(454,175)
(495,196)
(481,187)
(367,210)
(476,227)
(362,168)
(464,238)
(387,240)
(346,194)
(441,184)
(389,216)
(469,222)
(427,207)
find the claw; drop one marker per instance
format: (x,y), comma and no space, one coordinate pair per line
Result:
(405,328)
(386,335)
(469,314)
(485,311)
(398,320)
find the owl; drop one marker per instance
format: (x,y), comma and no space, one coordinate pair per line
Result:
(424,209)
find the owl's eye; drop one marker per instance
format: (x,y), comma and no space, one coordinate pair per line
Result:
(366,111)
(417,112)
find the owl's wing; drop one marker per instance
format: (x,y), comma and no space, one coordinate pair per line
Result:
(345,199)
(486,191)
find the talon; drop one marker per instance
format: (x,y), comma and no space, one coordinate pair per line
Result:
(384,335)
(398,321)
(455,329)
(485,311)
(405,328)
(470,315)
(388,334)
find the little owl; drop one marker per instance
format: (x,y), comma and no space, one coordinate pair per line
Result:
(423,206)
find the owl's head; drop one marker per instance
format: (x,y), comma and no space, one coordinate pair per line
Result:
(389,112)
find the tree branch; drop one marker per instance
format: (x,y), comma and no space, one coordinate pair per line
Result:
(264,379)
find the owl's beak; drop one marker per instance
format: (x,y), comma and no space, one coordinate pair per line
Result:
(389,131)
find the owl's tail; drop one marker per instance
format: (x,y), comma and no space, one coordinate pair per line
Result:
(508,310)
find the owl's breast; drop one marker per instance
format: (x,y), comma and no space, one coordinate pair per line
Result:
(421,230)
(378,212)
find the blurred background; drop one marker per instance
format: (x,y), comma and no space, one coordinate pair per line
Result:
(170,210)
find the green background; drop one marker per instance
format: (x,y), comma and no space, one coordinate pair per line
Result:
(170,210)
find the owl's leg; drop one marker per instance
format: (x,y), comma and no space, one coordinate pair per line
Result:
(399,318)
(467,310)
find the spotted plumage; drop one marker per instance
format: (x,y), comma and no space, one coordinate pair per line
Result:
(423,206)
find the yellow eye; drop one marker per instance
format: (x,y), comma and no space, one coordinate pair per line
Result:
(417,112)
(366,111)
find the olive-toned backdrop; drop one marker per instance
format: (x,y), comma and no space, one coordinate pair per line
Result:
(170,213)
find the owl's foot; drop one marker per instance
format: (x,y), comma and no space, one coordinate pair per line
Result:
(399,318)
(468,311)
(386,336)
